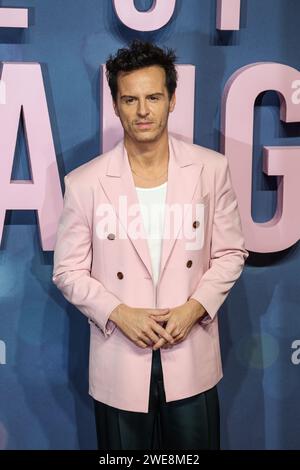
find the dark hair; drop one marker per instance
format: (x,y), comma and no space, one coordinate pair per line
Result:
(138,55)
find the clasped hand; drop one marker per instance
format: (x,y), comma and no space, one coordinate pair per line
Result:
(157,328)
(179,322)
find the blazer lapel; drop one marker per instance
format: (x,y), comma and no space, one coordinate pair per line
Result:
(117,182)
(183,177)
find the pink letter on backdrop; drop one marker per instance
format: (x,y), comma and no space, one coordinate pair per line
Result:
(181,120)
(228,14)
(240,93)
(156,17)
(24,90)
(13,18)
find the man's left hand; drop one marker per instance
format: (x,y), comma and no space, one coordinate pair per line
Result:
(180,321)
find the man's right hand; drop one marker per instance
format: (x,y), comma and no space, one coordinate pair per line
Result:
(138,326)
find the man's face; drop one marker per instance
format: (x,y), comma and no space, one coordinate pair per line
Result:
(143,104)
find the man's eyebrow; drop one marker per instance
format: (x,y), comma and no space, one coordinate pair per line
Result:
(150,94)
(127,96)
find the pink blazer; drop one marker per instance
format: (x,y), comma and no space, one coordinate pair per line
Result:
(96,273)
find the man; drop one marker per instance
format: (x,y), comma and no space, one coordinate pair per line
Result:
(151,302)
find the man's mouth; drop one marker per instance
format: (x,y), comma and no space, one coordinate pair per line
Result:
(144,125)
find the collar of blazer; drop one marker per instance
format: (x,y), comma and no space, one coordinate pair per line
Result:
(184,170)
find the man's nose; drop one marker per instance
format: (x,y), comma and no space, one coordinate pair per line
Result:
(143,108)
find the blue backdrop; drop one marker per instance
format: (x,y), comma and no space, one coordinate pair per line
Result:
(44,402)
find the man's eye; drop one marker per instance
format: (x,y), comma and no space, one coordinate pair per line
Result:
(129,100)
(153,98)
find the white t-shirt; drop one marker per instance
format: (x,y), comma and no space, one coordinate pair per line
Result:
(152,203)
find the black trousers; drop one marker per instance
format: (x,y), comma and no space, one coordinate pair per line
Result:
(189,423)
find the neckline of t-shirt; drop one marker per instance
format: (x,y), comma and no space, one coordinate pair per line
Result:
(154,187)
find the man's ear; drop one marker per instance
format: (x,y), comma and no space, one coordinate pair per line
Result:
(172,103)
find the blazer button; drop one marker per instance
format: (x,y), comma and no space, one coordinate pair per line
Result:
(120,275)
(111,236)
(196,223)
(189,263)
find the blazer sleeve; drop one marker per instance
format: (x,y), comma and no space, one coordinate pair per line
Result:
(72,265)
(228,253)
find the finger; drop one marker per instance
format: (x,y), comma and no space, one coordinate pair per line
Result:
(162,344)
(145,339)
(141,344)
(168,345)
(153,336)
(157,338)
(158,311)
(161,317)
(163,332)
(175,333)
(159,344)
